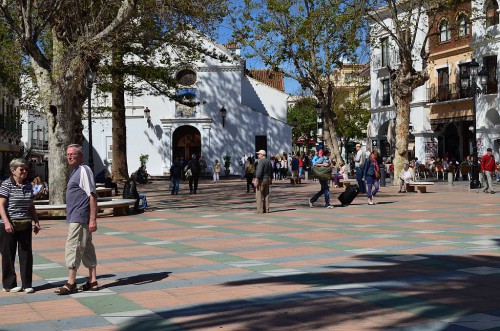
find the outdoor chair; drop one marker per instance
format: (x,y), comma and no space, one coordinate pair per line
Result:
(452,170)
(464,171)
(421,172)
(439,170)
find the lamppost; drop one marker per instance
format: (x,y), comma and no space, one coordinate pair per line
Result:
(469,81)
(223,115)
(295,123)
(319,123)
(90,82)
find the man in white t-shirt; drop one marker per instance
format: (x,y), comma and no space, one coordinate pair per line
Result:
(359,162)
(405,178)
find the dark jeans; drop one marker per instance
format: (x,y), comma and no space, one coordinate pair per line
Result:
(372,182)
(325,190)
(249,178)
(193,184)
(359,179)
(175,185)
(8,243)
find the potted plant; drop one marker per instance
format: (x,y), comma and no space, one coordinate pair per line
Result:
(227,164)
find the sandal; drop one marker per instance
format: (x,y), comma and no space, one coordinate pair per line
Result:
(67,289)
(89,286)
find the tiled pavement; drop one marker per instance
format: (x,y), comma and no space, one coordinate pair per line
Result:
(208,262)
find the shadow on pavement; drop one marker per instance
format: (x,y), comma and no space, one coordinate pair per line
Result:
(433,289)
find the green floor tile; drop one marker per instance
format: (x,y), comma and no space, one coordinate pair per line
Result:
(106,304)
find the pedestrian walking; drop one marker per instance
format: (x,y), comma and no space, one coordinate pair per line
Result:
(249,174)
(371,173)
(263,178)
(81,216)
(488,169)
(359,162)
(323,161)
(217,168)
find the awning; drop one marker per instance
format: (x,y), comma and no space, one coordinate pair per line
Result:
(446,113)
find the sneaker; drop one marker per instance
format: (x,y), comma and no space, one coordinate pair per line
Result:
(29,290)
(310,203)
(14,290)
(492,192)
(329,207)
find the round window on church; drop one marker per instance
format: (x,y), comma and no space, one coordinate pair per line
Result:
(186,77)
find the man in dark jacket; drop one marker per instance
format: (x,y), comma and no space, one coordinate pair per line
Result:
(130,192)
(264,177)
(195,167)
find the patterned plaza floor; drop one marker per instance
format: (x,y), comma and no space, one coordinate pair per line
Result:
(209,262)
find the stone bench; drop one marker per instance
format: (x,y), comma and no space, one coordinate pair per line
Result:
(421,187)
(104,191)
(120,206)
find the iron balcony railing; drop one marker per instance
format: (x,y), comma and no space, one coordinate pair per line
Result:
(455,91)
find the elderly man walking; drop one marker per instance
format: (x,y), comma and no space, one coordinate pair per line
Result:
(359,162)
(264,177)
(81,216)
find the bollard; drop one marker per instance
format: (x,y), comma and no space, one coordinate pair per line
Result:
(450,179)
(382,175)
(306,175)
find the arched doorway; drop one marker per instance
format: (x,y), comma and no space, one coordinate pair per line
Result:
(186,141)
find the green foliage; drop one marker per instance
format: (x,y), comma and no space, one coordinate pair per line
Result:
(352,120)
(303,117)
(143,159)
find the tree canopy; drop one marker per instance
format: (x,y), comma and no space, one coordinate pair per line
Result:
(305,39)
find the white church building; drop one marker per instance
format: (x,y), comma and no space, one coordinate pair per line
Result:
(239,111)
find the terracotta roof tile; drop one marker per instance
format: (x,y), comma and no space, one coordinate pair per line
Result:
(269,77)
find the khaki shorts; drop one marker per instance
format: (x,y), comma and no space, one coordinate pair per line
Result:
(79,247)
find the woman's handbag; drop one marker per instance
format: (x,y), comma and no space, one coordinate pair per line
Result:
(21,225)
(377,174)
(321,173)
(188,173)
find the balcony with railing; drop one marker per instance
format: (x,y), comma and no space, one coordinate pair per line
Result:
(455,92)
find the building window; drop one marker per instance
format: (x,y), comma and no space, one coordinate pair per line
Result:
(384,42)
(443,84)
(386,93)
(463,25)
(491,13)
(444,31)
(490,63)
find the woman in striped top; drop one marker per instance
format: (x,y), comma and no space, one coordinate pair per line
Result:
(17,211)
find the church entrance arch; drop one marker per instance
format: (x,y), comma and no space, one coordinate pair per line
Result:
(186,141)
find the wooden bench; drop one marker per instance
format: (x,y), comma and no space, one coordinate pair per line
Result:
(120,206)
(104,191)
(421,187)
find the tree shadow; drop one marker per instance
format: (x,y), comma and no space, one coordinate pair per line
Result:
(425,292)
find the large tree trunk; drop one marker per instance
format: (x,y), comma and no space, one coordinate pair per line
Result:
(119,168)
(63,101)
(330,136)
(402,135)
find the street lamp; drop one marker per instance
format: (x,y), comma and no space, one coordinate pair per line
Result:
(223,115)
(319,122)
(89,83)
(469,81)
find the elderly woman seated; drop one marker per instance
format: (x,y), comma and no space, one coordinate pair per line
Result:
(406,176)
